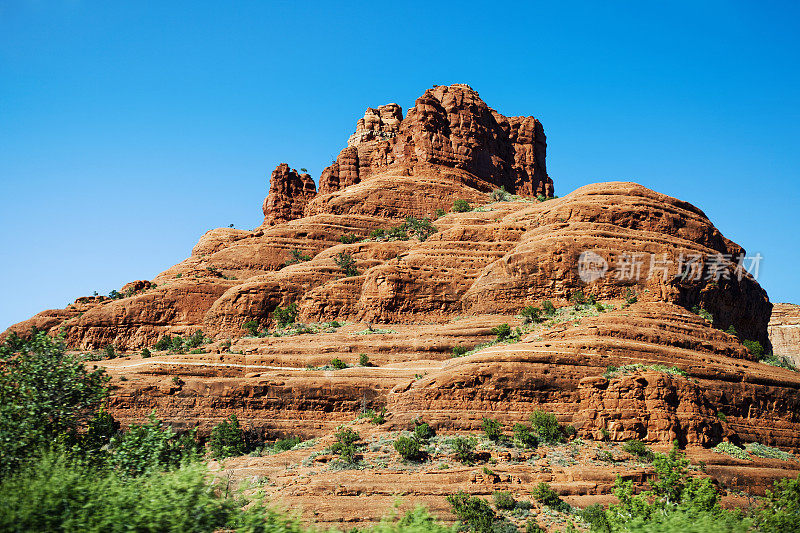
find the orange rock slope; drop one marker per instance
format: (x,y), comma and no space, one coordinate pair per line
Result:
(652,257)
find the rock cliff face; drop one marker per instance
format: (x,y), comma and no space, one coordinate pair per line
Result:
(784,331)
(289,192)
(449,126)
(652,257)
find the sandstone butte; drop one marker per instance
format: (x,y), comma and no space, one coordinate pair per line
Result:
(412,301)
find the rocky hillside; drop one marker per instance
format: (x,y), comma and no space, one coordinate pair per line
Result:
(409,271)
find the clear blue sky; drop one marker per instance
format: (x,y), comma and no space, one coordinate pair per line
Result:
(128,129)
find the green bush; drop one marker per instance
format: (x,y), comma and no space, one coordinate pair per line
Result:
(458,351)
(338,364)
(503,331)
(110,352)
(151,446)
(439,213)
(56,494)
(577,298)
(461,206)
(408,448)
(379,417)
(285,444)
(285,316)
(195,339)
(631,297)
(422,431)
(363,360)
(761,450)
(176,344)
(346,264)
(500,195)
(548,308)
(524,436)
(349,238)
(639,449)
(45,395)
(546,427)
(146,353)
(503,499)
(733,450)
(703,313)
(755,348)
(464,449)
(531,314)
(296,256)
(345,445)
(164,343)
(227,439)
(531,526)
(781,509)
(474,513)
(543,494)
(378,233)
(492,428)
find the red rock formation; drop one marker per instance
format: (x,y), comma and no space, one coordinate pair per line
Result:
(452,127)
(784,331)
(289,192)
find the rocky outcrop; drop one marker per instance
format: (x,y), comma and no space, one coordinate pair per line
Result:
(649,406)
(449,126)
(289,192)
(784,331)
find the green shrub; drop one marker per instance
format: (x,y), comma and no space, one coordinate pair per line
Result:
(227,439)
(110,352)
(195,339)
(546,427)
(755,348)
(176,344)
(346,264)
(464,449)
(524,436)
(439,213)
(548,308)
(577,298)
(349,238)
(543,494)
(163,343)
(285,444)
(503,499)
(639,449)
(531,526)
(474,513)
(296,256)
(503,331)
(146,353)
(732,450)
(338,364)
(781,509)
(595,516)
(378,233)
(631,297)
(531,314)
(421,229)
(408,448)
(57,494)
(458,351)
(345,445)
(45,395)
(461,206)
(779,361)
(703,313)
(492,428)
(285,316)
(722,416)
(379,417)
(500,195)
(152,446)
(762,450)
(363,360)
(423,431)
